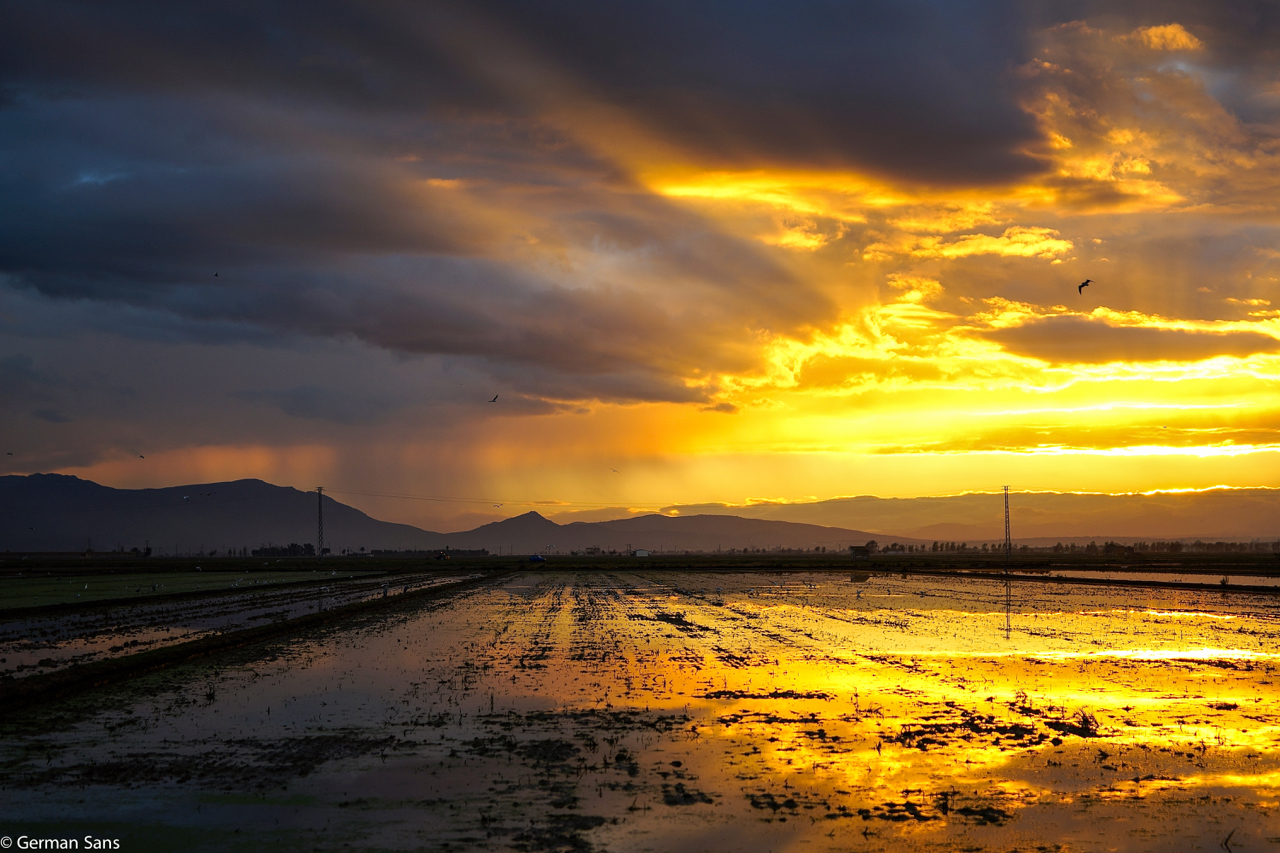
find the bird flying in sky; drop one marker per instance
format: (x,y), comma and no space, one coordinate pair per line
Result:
(495,399)
(1083,285)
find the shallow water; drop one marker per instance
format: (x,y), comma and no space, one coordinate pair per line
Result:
(666,712)
(1205,578)
(35,643)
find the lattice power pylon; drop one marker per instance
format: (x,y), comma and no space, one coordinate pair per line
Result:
(1008,541)
(320,519)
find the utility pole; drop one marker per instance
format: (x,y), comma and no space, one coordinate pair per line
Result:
(320,519)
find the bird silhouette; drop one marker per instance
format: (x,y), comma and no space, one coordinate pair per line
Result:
(1083,285)
(8,454)
(215,275)
(495,399)
(140,456)
(615,470)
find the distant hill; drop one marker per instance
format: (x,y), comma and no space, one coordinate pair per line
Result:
(55,512)
(1042,517)
(531,533)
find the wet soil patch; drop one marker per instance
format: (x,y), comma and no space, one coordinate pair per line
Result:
(898,812)
(680,795)
(561,832)
(928,735)
(774,694)
(984,815)
(231,763)
(676,620)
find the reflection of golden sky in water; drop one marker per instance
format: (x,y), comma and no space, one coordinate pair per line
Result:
(799,692)
(950,670)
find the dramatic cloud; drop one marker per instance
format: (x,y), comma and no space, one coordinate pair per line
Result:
(305,238)
(873,87)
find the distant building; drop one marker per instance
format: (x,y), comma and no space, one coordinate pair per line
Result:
(639,552)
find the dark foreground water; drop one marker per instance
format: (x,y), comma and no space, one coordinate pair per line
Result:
(691,712)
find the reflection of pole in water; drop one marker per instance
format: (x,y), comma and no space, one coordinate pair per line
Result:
(1008,554)
(1008,602)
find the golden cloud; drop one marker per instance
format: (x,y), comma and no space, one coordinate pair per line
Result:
(1166,37)
(1017,241)
(915,289)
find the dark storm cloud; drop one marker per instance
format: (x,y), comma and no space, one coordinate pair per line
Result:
(368,171)
(20,383)
(141,189)
(369,56)
(21,386)
(52,416)
(1074,339)
(314,403)
(344,176)
(917,89)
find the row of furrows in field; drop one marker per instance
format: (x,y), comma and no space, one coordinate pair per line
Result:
(198,613)
(710,633)
(44,644)
(612,626)
(533,640)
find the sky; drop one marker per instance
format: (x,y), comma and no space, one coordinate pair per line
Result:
(702,253)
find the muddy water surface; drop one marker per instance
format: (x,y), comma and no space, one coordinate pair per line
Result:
(669,712)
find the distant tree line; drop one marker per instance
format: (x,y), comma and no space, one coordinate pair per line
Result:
(436,554)
(293,549)
(1107,548)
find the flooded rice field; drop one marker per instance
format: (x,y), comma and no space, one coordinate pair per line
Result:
(40,641)
(664,711)
(32,589)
